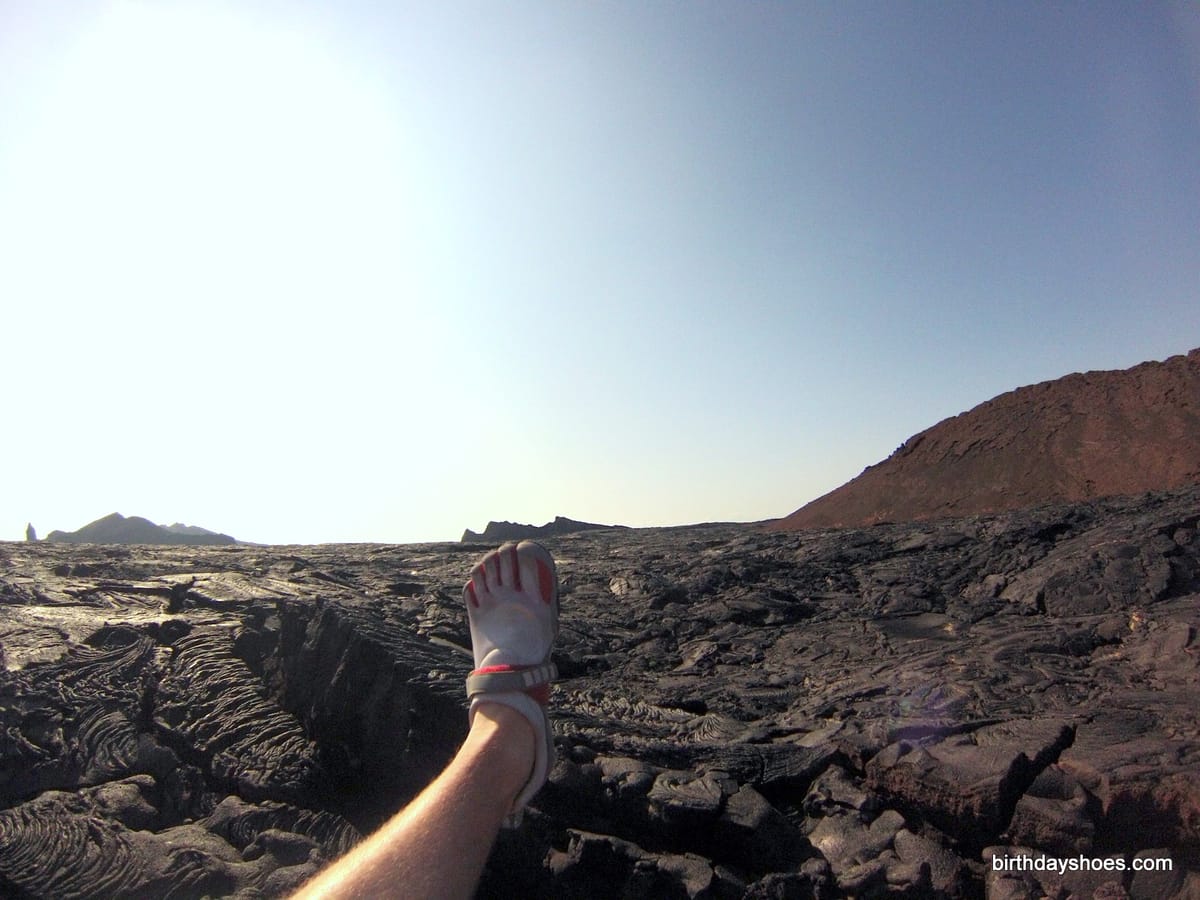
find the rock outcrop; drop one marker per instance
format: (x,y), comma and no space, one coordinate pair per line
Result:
(895,711)
(30,532)
(499,532)
(119,529)
(192,530)
(1079,437)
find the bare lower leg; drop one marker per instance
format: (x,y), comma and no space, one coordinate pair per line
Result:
(438,844)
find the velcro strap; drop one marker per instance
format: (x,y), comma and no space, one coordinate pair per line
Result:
(510,680)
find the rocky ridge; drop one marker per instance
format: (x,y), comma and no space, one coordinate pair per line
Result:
(499,532)
(875,712)
(1075,438)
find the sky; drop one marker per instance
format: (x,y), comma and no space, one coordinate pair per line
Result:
(309,272)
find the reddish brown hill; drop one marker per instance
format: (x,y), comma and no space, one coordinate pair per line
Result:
(1077,437)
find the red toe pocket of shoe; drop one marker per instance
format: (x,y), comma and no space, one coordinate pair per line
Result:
(515,562)
(545,581)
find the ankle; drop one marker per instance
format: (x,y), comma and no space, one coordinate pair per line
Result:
(509,742)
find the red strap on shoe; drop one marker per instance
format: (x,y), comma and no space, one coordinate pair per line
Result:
(532,680)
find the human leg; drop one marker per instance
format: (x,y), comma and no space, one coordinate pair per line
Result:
(437,845)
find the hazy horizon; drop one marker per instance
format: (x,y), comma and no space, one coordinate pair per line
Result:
(41,536)
(303,274)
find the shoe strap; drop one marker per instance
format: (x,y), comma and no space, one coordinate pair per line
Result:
(498,679)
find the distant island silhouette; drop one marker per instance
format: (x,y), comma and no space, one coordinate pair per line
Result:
(497,532)
(118,529)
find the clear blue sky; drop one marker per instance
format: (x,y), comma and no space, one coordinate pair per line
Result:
(369,271)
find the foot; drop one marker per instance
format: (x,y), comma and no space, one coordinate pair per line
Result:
(512,608)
